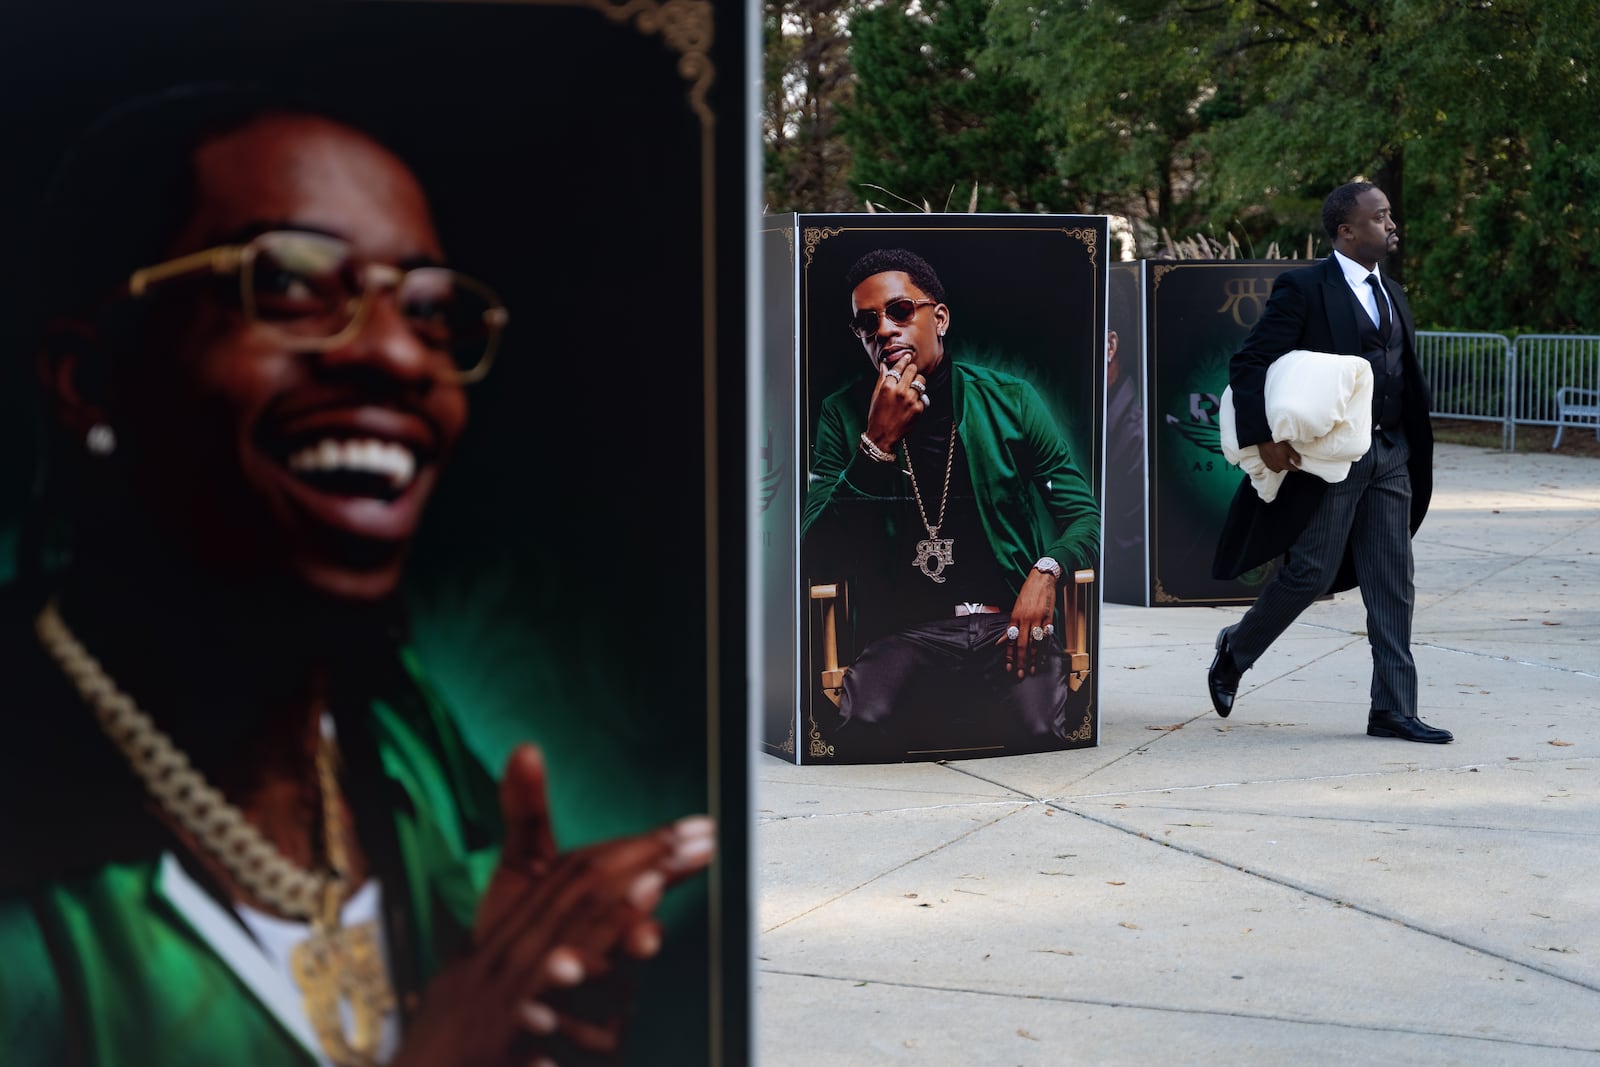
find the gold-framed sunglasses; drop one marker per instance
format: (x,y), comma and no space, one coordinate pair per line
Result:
(864,323)
(311,291)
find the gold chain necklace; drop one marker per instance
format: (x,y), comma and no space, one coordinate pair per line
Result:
(335,963)
(935,553)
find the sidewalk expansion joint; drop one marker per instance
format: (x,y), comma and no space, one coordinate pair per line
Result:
(1097,1002)
(1341,902)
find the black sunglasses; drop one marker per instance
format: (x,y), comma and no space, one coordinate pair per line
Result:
(900,312)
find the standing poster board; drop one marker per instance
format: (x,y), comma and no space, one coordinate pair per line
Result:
(1197,314)
(1126,549)
(1025,298)
(578,578)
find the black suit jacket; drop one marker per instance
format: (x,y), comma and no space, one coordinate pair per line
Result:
(1311,308)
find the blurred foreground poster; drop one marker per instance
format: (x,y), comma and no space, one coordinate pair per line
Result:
(372,405)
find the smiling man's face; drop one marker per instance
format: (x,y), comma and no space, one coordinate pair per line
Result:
(266,461)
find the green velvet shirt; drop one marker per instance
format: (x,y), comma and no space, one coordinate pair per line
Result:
(1032,498)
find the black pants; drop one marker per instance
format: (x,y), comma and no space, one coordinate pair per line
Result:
(1371,511)
(942,687)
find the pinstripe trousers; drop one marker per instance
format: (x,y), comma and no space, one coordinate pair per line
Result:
(1371,510)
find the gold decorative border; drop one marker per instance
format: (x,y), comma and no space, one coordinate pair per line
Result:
(685,25)
(1085,731)
(1089,239)
(788,742)
(815,235)
(818,748)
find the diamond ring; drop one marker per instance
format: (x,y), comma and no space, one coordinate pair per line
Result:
(1012,633)
(892,374)
(1038,633)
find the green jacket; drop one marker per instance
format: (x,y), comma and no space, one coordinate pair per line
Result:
(101,968)
(1032,498)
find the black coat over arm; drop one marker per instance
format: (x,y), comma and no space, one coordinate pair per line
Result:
(1313,309)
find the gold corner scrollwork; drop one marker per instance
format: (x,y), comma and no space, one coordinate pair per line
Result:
(819,749)
(687,27)
(1085,731)
(1160,271)
(1164,597)
(1090,239)
(815,235)
(788,239)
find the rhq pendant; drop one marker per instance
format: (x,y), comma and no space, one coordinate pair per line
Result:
(933,555)
(344,966)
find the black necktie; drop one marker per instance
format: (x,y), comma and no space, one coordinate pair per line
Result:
(1382,298)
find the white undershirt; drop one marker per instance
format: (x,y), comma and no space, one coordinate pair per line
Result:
(277,938)
(1356,276)
(262,963)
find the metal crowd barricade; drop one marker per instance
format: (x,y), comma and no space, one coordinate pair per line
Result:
(1470,377)
(1557,382)
(1541,379)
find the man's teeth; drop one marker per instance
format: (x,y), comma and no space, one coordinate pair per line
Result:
(392,461)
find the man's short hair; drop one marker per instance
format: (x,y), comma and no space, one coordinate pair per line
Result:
(881,260)
(1337,207)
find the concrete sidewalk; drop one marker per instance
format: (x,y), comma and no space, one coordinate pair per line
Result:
(1272,888)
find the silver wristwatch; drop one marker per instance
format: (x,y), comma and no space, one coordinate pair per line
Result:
(1049,566)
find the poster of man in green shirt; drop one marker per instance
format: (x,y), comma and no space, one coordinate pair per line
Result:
(332,738)
(951,519)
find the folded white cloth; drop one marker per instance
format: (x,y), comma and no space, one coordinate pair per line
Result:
(1321,404)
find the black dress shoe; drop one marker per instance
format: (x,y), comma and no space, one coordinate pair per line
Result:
(1223,677)
(1391,724)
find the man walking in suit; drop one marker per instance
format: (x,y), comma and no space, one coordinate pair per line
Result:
(1351,533)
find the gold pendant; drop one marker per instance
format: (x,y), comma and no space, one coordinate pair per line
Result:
(343,966)
(933,555)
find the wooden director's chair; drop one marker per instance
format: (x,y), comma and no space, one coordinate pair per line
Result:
(830,600)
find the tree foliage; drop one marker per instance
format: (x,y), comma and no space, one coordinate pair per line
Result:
(927,126)
(807,76)
(1475,116)
(1233,118)
(1122,87)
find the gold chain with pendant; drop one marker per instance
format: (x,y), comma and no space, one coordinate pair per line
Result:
(935,553)
(335,964)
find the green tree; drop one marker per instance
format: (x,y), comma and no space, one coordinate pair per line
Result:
(927,126)
(1123,89)
(1475,116)
(1504,167)
(807,76)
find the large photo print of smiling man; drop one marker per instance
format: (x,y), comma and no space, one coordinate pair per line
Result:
(358,613)
(953,371)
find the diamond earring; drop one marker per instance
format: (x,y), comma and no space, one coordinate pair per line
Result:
(101,439)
